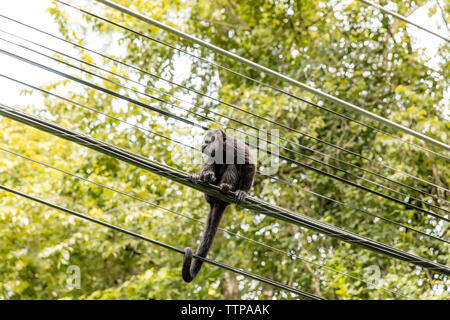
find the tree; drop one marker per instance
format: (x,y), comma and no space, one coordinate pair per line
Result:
(344,48)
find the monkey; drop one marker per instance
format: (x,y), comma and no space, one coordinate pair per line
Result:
(231,165)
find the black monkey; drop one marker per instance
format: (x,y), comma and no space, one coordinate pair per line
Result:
(231,165)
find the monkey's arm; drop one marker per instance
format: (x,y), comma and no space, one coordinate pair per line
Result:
(206,174)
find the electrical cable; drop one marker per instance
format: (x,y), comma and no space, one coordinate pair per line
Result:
(400,17)
(224,116)
(167,246)
(147,106)
(234,234)
(272,72)
(212,190)
(258,82)
(225,103)
(197,150)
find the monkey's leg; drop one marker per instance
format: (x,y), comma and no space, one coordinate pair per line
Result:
(245,182)
(229,180)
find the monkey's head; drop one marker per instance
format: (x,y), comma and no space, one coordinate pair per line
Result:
(213,142)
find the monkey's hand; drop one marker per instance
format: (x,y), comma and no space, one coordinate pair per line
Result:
(240,196)
(225,187)
(209,176)
(195,177)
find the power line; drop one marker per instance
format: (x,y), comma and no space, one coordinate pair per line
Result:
(255,81)
(179,249)
(398,16)
(227,117)
(110,92)
(234,234)
(273,73)
(243,132)
(235,107)
(197,150)
(359,209)
(264,84)
(166,246)
(95,110)
(212,190)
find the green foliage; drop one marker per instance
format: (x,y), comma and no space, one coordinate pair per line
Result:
(344,48)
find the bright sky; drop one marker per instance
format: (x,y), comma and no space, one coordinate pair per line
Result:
(35,14)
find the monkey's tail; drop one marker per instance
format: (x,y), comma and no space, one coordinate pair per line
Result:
(191,268)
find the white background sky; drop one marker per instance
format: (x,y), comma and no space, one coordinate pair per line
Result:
(33,12)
